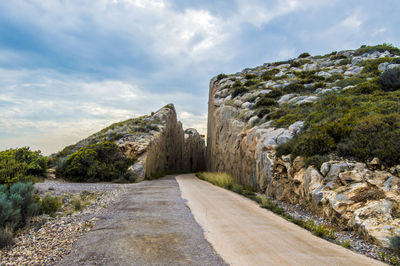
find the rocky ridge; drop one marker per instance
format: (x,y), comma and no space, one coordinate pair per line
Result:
(243,136)
(157,142)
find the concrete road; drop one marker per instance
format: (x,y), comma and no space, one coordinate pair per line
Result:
(245,234)
(149,224)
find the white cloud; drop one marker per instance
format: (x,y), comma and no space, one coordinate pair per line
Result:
(84,107)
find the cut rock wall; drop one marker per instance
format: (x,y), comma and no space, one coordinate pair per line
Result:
(166,150)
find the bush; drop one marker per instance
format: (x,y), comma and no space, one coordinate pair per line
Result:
(17,165)
(94,163)
(239,91)
(77,204)
(250,76)
(266,101)
(371,65)
(338,56)
(355,126)
(304,55)
(268,75)
(316,160)
(395,244)
(23,199)
(275,93)
(250,82)
(221,76)
(346,244)
(380,48)
(344,62)
(17,205)
(50,204)
(6,237)
(295,87)
(390,79)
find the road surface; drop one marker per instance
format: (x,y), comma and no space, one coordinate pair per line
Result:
(149,224)
(245,234)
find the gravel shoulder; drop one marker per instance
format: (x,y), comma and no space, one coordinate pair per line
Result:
(245,234)
(148,224)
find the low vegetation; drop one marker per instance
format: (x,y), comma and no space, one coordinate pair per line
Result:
(21,165)
(96,163)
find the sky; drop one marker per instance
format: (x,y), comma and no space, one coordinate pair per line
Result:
(68,68)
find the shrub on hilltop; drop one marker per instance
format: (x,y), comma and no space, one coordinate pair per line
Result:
(97,162)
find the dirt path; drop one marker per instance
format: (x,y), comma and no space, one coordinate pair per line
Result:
(149,224)
(245,234)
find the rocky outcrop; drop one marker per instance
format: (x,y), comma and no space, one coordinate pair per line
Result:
(157,142)
(242,141)
(169,149)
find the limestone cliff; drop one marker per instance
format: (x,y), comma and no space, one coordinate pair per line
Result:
(256,111)
(157,142)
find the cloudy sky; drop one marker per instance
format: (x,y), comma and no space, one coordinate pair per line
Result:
(69,68)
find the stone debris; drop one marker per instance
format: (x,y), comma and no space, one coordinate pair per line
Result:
(46,240)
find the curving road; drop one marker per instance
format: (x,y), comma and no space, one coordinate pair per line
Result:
(245,234)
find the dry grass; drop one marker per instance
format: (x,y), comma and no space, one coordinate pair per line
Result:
(219,179)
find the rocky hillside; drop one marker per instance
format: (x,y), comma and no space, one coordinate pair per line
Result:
(156,142)
(321,131)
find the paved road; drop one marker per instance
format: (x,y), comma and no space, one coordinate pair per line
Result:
(149,224)
(245,234)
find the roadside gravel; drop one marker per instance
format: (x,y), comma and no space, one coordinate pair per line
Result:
(47,239)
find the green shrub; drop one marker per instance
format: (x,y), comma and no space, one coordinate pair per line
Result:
(304,55)
(94,163)
(346,244)
(356,126)
(371,65)
(344,62)
(380,48)
(338,56)
(366,87)
(275,93)
(50,204)
(395,244)
(266,101)
(316,160)
(239,91)
(23,198)
(374,136)
(21,164)
(267,204)
(6,237)
(17,205)
(354,80)
(306,77)
(250,82)
(295,88)
(250,76)
(390,79)
(335,77)
(77,204)
(221,76)
(268,75)
(237,188)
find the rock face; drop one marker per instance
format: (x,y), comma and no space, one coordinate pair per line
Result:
(157,142)
(170,149)
(354,195)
